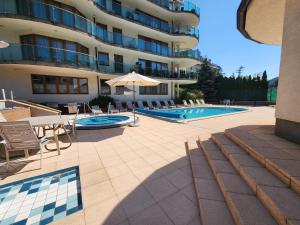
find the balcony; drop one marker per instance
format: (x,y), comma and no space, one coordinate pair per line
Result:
(138,17)
(178,7)
(39,55)
(60,17)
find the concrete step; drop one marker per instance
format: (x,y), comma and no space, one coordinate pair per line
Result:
(283,160)
(277,197)
(212,207)
(244,205)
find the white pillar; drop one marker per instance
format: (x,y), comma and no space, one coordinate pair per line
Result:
(288,101)
(177,92)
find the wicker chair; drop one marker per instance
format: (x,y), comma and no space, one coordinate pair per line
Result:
(19,136)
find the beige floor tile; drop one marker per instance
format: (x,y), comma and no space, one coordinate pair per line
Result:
(94,177)
(125,183)
(117,170)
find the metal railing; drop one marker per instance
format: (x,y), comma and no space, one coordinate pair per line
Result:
(40,55)
(60,17)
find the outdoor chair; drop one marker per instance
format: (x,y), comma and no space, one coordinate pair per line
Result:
(185,103)
(19,136)
(2,119)
(173,103)
(198,102)
(141,104)
(120,107)
(158,104)
(112,109)
(129,105)
(150,105)
(71,126)
(72,108)
(167,104)
(192,103)
(96,109)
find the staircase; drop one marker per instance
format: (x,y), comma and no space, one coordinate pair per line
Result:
(242,178)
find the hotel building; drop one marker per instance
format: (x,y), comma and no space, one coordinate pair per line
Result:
(64,50)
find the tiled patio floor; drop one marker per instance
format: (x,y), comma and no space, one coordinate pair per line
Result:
(137,175)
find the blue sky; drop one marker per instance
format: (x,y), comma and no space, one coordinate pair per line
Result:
(224,44)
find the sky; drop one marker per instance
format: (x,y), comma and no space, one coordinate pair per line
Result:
(227,47)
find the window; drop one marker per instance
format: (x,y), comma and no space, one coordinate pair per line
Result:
(103,58)
(39,10)
(153,21)
(117,7)
(120,90)
(161,89)
(151,68)
(105,88)
(155,46)
(117,35)
(118,64)
(44,84)
(101,32)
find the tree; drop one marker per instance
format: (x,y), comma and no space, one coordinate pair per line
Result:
(240,71)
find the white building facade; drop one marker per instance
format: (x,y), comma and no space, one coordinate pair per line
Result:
(64,50)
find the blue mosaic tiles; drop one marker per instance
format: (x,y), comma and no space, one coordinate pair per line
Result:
(41,199)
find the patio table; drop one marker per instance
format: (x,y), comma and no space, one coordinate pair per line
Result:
(56,122)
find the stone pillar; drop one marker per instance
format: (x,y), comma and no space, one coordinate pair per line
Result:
(288,98)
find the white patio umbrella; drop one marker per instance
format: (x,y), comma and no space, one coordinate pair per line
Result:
(133,79)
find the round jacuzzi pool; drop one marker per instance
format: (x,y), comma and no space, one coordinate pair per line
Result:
(99,122)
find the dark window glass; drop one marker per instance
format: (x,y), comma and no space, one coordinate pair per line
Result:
(83,86)
(37,84)
(155,46)
(71,52)
(120,90)
(101,32)
(57,52)
(117,7)
(63,85)
(161,89)
(51,85)
(117,34)
(68,18)
(105,88)
(118,63)
(101,3)
(39,10)
(103,58)
(151,68)
(42,48)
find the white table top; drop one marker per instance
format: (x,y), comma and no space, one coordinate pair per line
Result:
(41,121)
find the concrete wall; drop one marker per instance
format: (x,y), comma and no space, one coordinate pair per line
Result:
(288,98)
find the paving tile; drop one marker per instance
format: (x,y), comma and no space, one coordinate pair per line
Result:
(273,153)
(190,192)
(90,166)
(125,183)
(215,213)
(97,193)
(92,178)
(220,166)
(295,184)
(195,221)
(106,212)
(288,167)
(153,215)
(293,222)
(135,201)
(160,188)
(117,170)
(243,160)
(179,208)
(179,179)
(258,214)
(286,201)
(208,189)
(233,183)
(261,176)
(74,219)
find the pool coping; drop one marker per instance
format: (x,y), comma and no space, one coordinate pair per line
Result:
(127,122)
(184,121)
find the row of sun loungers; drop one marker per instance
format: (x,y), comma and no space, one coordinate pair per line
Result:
(192,104)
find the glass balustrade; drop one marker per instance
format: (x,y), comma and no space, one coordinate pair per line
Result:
(40,55)
(61,17)
(186,6)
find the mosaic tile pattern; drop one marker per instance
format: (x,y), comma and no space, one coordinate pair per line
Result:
(41,199)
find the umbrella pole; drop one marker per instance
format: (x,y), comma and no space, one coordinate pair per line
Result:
(133,103)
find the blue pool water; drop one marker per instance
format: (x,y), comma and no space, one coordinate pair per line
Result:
(42,199)
(180,114)
(103,121)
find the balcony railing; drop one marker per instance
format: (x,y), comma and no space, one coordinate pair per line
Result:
(39,55)
(186,6)
(60,17)
(138,17)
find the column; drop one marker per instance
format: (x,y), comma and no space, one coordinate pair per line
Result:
(288,98)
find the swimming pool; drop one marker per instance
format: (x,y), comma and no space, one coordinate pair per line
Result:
(184,114)
(107,121)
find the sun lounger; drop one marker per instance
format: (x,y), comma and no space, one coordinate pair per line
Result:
(129,105)
(185,103)
(173,103)
(96,109)
(72,107)
(19,136)
(158,104)
(192,103)
(140,104)
(150,105)
(112,109)
(120,107)
(167,104)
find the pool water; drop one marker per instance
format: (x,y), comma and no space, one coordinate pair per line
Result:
(180,114)
(41,199)
(103,121)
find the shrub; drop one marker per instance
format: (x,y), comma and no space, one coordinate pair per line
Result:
(102,101)
(191,94)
